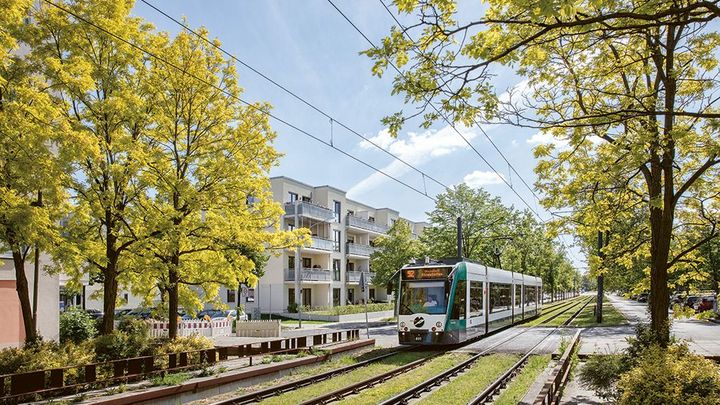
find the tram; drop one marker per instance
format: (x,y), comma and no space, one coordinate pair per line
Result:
(447,303)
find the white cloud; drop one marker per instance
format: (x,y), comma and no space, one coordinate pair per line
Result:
(479,178)
(416,149)
(544,138)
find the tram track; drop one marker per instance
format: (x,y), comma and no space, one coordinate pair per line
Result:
(435,382)
(356,388)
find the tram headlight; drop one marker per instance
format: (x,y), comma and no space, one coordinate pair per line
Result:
(433,329)
(438,324)
(406,329)
(402,324)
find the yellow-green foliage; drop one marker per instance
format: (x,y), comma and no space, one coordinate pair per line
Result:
(672,376)
(185,344)
(45,355)
(681,311)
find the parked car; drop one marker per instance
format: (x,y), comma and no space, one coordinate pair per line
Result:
(233,313)
(692,300)
(95,313)
(677,298)
(139,313)
(704,304)
(119,313)
(643,297)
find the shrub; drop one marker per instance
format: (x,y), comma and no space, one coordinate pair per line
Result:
(705,315)
(672,376)
(44,355)
(292,308)
(185,344)
(601,374)
(76,325)
(681,311)
(352,309)
(120,345)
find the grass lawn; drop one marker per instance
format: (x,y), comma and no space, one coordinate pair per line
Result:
(405,381)
(567,314)
(354,376)
(465,387)
(611,316)
(522,382)
(548,313)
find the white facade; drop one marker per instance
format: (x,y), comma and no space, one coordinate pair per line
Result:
(343,231)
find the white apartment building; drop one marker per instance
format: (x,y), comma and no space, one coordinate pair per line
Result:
(343,231)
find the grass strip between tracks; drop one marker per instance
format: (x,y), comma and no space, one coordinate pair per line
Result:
(465,387)
(519,386)
(351,377)
(611,316)
(567,312)
(403,382)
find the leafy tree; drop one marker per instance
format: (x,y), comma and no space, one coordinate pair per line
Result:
(396,249)
(629,86)
(484,221)
(207,202)
(34,161)
(104,80)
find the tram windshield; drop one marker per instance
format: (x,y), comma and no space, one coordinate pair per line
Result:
(427,297)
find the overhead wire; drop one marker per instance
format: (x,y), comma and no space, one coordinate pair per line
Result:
(227,93)
(443,116)
(292,93)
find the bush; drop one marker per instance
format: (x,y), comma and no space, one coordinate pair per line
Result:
(120,345)
(292,308)
(601,374)
(76,326)
(44,355)
(681,311)
(352,309)
(185,344)
(672,376)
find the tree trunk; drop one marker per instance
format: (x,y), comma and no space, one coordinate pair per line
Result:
(21,285)
(173,297)
(110,290)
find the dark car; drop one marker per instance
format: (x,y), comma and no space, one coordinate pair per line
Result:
(692,300)
(705,304)
(643,297)
(119,313)
(95,313)
(213,313)
(139,313)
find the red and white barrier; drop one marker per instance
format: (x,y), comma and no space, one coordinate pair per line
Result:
(211,328)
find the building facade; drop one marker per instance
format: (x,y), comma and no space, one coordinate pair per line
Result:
(343,233)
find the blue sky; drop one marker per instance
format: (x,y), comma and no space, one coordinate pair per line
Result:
(310,49)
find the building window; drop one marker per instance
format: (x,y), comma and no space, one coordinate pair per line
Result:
(336,239)
(250,295)
(291,262)
(350,266)
(336,207)
(351,296)
(372,294)
(293,196)
(230,295)
(336,297)
(307,262)
(336,270)
(351,213)
(371,219)
(291,296)
(305,198)
(125,298)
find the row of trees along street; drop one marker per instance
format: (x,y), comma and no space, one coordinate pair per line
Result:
(136,171)
(628,93)
(493,234)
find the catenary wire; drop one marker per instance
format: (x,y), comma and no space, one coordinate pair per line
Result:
(444,117)
(178,68)
(291,93)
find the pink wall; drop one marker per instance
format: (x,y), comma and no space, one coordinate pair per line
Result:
(12,332)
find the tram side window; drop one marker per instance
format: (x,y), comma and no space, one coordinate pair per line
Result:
(518,295)
(530,295)
(458,308)
(476,298)
(500,297)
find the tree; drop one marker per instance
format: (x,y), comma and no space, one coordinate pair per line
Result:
(207,200)
(33,159)
(484,221)
(103,80)
(629,86)
(395,250)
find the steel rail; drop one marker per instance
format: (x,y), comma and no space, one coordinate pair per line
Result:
(437,380)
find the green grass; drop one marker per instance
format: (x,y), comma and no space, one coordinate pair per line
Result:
(171,379)
(351,377)
(465,387)
(405,381)
(521,384)
(571,306)
(611,316)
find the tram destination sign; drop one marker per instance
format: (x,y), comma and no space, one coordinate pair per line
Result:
(426,273)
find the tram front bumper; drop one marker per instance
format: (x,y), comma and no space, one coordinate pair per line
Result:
(425,337)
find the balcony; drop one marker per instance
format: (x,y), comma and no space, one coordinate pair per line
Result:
(354,276)
(324,245)
(360,250)
(365,225)
(316,275)
(310,210)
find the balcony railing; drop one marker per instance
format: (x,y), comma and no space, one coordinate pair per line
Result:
(360,250)
(324,244)
(309,275)
(366,225)
(309,210)
(354,276)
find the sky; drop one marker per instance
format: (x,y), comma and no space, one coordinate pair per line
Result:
(310,49)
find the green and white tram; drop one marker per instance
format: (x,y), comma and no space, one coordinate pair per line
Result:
(450,303)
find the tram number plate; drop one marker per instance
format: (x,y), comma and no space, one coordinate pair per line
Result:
(418,338)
